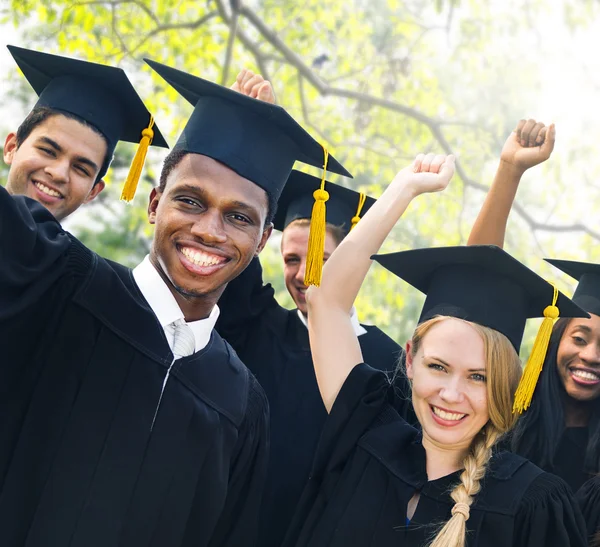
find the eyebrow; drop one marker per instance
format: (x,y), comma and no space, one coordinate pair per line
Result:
(583,328)
(449,365)
(58,148)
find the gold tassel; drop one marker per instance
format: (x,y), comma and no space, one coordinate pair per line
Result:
(361,202)
(534,365)
(135,171)
(316,236)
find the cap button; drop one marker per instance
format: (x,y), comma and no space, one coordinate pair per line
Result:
(551,312)
(321,195)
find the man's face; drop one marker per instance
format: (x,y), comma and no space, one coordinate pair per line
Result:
(210,223)
(57,164)
(294,249)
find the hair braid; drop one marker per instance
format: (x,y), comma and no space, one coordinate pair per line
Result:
(503,372)
(453,533)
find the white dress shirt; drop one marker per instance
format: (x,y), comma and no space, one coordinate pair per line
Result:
(165,307)
(358,328)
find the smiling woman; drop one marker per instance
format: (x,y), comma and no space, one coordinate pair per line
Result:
(378,481)
(560,431)
(564,438)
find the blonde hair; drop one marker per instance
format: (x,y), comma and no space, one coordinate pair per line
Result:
(337,232)
(503,368)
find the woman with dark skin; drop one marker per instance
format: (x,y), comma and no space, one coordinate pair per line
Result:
(561,438)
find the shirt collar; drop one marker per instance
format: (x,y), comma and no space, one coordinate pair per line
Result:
(358,328)
(165,307)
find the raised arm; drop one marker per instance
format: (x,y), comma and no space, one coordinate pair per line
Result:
(33,250)
(335,348)
(529,144)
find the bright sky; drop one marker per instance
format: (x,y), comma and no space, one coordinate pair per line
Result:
(569,69)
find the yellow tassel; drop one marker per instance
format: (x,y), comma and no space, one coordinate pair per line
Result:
(534,365)
(361,202)
(316,236)
(135,171)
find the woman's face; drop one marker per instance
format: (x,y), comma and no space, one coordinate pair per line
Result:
(449,391)
(578,358)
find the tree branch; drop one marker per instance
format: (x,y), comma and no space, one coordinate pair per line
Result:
(326,89)
(233,26)
(245,40)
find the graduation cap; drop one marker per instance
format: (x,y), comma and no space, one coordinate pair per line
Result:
(99,94)
(485,285)
(258,140)
(304,196)
(344,206)
(587,293)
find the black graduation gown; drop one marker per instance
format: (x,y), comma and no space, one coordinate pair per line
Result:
(83,359)
(273,342)
(569,461)
(588,497)
(569,457)
(370,462)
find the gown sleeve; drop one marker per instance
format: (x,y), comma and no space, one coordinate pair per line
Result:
(33,252)
(238,523)
(363,398)
(364,395)
(588,497)
(242,303)
(549,516)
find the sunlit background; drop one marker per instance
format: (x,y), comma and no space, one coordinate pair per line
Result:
(377,81)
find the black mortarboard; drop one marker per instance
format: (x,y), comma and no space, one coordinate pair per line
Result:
(587,293)
(297,202)
(485,285)
(258,140)
(479,283)
(101,95)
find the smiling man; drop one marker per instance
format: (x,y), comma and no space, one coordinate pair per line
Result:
(62,150)
(126,419)
(273,342)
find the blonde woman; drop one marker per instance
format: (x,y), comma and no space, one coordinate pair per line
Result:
(377,481)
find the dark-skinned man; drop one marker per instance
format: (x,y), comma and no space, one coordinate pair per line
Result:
(127,420)
(273,341)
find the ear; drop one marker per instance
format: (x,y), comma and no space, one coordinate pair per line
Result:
(155,196)
(96,189)
(10,147)
(264,238)
(409,360)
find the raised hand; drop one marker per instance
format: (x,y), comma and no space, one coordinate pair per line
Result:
(254,85)
(428,173)
(531,143)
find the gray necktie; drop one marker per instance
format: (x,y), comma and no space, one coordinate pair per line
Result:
(184,344)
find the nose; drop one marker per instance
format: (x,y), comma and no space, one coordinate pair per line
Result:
(58,170)
(301,271)
(452,391)
(590,353)
(209,227)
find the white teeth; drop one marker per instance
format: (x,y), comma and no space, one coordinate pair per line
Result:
(47,190)
(585,375)
(201,259)
(450,416)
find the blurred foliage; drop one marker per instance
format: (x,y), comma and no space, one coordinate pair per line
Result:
(377,80)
